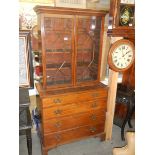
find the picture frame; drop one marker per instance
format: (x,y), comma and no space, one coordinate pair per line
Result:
(71,3)
(25,60)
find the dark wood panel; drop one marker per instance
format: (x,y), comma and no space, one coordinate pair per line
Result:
(74,134)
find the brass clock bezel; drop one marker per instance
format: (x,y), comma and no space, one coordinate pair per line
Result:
(112,49)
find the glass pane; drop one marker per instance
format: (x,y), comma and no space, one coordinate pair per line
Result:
(88,46)
(126,15)
(58,46)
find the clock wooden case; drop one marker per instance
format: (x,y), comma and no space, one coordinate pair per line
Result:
(71,101)
(121,55)
(121,18)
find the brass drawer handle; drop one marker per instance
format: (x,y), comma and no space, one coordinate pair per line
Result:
(92,129)
(93,117)
(94,105)
(58,137)
(57,100)
(58,124)
(95,94)
(58,111)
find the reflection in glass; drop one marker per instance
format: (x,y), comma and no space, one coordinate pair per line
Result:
(88,48)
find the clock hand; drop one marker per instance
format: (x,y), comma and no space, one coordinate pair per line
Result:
(126,53)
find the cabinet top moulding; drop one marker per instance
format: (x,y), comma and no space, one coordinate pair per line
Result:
(69,11)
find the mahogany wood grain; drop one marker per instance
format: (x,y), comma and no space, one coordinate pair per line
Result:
(69,11)
(63,137)
(73,108)
(66,98)
(73,121)
(129,77)
(69,111)
(89,90)
(59,30)
(120,110)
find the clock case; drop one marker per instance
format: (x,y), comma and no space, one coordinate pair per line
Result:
(115,28)
(113,47)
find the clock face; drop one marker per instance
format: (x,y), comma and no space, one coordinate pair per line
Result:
(121,55)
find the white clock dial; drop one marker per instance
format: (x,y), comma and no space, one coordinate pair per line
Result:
(122,56)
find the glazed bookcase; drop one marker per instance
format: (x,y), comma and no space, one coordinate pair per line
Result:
(70,46)
(72,101)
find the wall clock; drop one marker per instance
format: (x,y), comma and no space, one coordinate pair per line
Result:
(121,55)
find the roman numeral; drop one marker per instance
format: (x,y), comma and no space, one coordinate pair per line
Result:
(123,47)
(115,61)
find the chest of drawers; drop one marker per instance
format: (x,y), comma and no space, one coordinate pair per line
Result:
(72,101)
(71,114)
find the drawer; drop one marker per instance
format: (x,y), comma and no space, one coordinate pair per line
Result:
(51,140)
(81,96)
(59,124)
(71,109)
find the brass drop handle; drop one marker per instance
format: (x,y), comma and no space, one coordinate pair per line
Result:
(57,100)
(95,94)
(94,105)
(92,129)
(93,117)
(58,137)
(58,124)
(58,111)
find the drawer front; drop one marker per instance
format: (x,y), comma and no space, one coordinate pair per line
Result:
(71,109)
(58,138)
(74,97)
(59,124)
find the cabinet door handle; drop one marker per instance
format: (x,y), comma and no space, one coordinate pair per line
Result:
(57,100)
(58,111)
(58,137)
(92,129)
(58,124)
(95,95)
(94,105)
(93,117)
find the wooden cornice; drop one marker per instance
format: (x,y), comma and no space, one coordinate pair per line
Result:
(70,11)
